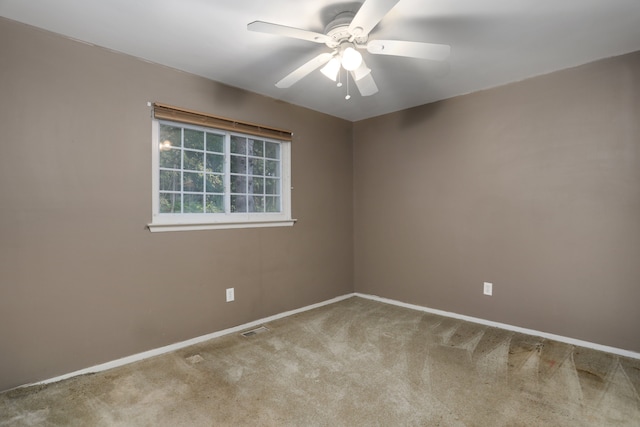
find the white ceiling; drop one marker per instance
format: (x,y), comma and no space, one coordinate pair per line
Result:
(493,42)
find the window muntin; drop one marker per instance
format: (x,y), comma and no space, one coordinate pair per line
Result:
(255,175)
(191,170)
(205,175)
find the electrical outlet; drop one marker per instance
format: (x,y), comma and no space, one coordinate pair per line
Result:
(230,294)
(488,288)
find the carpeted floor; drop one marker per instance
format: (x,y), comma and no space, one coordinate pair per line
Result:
(353,363)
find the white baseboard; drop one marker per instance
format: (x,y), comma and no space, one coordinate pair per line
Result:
(560,338)
(239,328)
(182,344)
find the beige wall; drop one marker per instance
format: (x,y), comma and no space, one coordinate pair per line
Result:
(81,280)
(534,186)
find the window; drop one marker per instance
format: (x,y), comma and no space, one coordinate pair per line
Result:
(214,178)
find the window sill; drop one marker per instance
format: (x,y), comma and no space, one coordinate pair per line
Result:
(161,227)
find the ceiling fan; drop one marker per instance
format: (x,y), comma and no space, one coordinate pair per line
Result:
(345,35)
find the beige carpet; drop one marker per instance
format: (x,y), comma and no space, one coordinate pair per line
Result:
(353,363)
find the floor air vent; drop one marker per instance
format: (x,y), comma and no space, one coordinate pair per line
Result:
(255,331)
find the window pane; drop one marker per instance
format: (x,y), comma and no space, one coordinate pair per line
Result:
(194,139)
(211,171)
(215,163)
(170,136)
(238,184)
(273,204)
(256,204)
(214,183)
(272,168)
(272,186)
(238,203)
(238,164)
(193,182)
(193,203)
(256,148)
(272,150)
(215,142)
(238,145)
(170,181)
(170,203)
(215,204)
(170,158)
(193,160)
(256,185)
(256,167)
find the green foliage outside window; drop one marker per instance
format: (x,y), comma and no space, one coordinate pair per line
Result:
(192,175)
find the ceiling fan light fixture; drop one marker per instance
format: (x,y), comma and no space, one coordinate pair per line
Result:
(361,71)
(351,58)
(331,69)
(345,36)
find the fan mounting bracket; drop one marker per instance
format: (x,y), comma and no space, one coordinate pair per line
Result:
(338,30)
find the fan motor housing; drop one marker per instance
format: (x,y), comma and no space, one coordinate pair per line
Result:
(338,30)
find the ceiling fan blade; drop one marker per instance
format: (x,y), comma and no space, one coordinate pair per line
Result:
(366,84)
(368,16)
(305,69)
(282,30)
(436,52)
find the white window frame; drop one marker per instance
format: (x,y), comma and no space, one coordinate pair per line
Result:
(209,221)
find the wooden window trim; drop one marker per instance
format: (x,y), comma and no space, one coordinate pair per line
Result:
(182,115)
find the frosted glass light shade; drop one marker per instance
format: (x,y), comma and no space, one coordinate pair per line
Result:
(351,59)
(361,71)
(331,69)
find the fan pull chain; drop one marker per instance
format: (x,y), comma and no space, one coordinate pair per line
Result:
(339,78)
(348,96)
